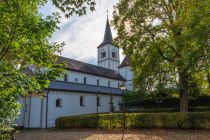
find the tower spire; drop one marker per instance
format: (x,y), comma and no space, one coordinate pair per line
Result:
(108,54)
(108,33)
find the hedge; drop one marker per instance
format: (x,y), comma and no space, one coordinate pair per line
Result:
(168,102)
(193,120)
(159,110)
(7,134)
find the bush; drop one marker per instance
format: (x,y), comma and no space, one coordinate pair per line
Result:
(84,121)
(7,134)
(195,120)
(159,110)
(167,102)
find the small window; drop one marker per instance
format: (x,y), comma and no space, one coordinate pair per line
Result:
(81,100)
(103,54)
(98,101)
(109,83)
(85,80)
(58,103)
(65,77)
(113,54)
(76,79)
(118,85)
(98,82)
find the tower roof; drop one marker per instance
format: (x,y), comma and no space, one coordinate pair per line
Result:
(126,62)
(107,35)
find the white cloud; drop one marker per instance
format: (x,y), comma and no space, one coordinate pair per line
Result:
(83,34)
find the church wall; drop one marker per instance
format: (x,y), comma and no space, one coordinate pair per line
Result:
(71,104)
(109,61)
(31,109)
(20,119)
(35,112)
(101,49)
(113,48)
(127,73)
(32,112)
(78,77)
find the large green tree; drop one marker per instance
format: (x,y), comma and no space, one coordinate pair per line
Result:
(165,36)
(27,58)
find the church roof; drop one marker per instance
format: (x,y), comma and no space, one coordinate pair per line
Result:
(68,86)
(107,35)
(126,62)
(79,66)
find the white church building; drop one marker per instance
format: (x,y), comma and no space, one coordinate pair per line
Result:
(85,88)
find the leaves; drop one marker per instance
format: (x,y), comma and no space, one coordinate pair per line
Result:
(74,7)
(162,38)
(27,58)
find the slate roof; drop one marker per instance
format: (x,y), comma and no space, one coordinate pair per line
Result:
(82,67)
(107,35)
(68,86)
(126,62)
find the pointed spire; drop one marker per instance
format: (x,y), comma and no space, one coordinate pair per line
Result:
(108,33)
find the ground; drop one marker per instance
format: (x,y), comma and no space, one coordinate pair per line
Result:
(92,134)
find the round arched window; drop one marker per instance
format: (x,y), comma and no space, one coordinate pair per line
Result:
(114,54)
(103,53)
(58,103)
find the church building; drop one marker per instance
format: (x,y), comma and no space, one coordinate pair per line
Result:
(85,88)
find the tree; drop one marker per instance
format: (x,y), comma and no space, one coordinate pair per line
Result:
(27,58)
(172,35)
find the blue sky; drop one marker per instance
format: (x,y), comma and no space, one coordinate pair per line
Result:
(83,34)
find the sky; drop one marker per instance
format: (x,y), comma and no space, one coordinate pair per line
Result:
(83,34)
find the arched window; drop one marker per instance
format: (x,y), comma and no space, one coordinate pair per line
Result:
(109,83)
(85,80)
(114,54)
(65,77)
(58,103)
(76,79)
(103,54)
(98,101)
(98,82)
(81,100)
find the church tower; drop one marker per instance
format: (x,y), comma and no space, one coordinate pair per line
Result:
(108,54)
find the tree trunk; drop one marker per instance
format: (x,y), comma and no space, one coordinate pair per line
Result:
(183,80)
(208,78)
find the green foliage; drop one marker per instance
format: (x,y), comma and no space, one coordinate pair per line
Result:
(85,121)
(71,7)
(194,120)
(7,134)
(159,110)
(172,102)
(27,57)
(167,43)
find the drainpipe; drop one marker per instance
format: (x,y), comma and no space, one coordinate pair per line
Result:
(24,112)
(29,112)
(46,119)
(41,111)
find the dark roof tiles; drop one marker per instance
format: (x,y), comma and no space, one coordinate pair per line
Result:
(126,62)
(107,35)
(67,86)
(79,66)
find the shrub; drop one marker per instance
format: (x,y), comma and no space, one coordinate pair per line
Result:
(194,120)
(7,134)
(166,102)
(159,110)
(84,121)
